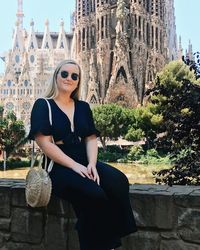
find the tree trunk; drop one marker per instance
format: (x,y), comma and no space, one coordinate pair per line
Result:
(103,142)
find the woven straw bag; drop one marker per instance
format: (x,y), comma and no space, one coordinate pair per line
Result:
(38,183)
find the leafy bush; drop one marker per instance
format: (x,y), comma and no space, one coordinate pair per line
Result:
(135,153)
(15,163)
(134,134)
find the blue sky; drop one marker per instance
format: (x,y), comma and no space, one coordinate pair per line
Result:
(186,19)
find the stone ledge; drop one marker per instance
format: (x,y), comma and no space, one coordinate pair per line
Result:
(167,219)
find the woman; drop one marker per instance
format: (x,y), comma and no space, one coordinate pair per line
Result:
(98,192)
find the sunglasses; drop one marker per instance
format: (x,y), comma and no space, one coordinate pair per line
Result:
(64,74)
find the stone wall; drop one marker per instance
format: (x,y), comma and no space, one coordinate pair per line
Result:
(168,218)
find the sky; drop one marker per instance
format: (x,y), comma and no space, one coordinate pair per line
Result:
(39,10)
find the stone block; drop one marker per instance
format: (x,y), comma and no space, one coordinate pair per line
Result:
(141,241)
(60,207)
(4,237)
(169,235)
(5,196)
(22,246)
(27,225)
(189,225)
(5,224)
(18,196)
(177,245)
(73,241)
(56,233)
(152,210)
(191,200)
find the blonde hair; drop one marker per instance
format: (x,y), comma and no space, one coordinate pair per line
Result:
(52,90)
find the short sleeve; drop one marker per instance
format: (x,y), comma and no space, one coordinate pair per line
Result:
(92,129)
(40,119)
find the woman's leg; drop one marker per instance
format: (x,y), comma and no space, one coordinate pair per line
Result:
(98,208)
(116,186)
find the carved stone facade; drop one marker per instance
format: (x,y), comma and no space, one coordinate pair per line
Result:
(121,45)
(28,66)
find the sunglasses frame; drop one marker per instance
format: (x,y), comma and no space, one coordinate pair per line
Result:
(64,74)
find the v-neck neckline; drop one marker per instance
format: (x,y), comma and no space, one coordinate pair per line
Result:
(73,118)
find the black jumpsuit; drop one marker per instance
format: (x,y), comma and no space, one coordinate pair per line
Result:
(104,212)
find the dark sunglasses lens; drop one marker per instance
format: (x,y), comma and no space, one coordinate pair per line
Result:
(74,76)
(64,74)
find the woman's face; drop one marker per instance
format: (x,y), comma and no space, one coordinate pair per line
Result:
(68,78)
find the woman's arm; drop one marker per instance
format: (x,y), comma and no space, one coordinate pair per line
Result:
(54,153)
(92,151)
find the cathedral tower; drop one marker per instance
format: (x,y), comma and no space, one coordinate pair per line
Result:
(121,44)
(29,64)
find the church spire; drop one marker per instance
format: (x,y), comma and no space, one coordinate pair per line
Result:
(46,42)
(32,42)
(18,41)
(62,42)
(20,13)
(180,49)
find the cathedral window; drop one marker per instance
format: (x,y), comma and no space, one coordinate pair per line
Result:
(9,105)
(140,22)
(120,98)
(143,28)
(17,58)
(156,7)
(122,72)
(25,83)
(139,35)
(148,34)
(47,45)
(61,45)
(9,83)
(93,99)
(148,5)
(152,36)
(136,20)
(32,58)
(152,7)
(156,37)
(135,33)
(106,25)
(32,46)
(26,105)
(88,39)
(102,24)
(161,41)
(83,39)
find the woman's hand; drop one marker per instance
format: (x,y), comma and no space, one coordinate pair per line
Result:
(92,171)
(82,170)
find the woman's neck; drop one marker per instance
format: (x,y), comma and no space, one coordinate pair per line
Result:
(64,99)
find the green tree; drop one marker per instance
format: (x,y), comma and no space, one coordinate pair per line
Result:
(110,120)
(12,133)
(145,123)
(177,96)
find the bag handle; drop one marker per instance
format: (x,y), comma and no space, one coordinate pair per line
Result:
(50,166)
